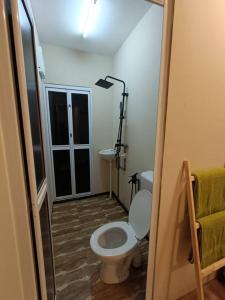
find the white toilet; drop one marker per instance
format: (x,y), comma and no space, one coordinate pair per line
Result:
(116,243)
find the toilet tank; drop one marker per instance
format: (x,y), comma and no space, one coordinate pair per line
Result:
(146,180)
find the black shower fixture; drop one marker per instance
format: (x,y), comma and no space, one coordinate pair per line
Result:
(104,83)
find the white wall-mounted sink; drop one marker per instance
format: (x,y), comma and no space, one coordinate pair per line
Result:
(107,154)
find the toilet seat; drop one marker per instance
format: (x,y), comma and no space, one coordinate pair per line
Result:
(128,245)
(139,213)
(136,229)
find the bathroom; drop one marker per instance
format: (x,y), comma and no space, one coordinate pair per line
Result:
(97,191)
(91,79)
(104,145)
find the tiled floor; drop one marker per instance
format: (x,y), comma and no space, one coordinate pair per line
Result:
(77,268)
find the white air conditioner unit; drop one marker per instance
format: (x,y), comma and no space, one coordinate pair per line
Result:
(40,62)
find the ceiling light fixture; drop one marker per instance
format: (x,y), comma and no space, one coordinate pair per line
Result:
(89,16)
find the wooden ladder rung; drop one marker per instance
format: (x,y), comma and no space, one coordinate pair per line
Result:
(213,267)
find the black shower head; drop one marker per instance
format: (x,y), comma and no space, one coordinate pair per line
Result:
(104,83)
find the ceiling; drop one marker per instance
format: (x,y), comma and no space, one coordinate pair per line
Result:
(58,23)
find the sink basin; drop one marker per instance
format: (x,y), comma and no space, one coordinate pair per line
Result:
(107,154)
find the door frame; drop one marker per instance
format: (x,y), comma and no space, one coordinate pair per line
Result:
(20,234)
(37,196)
(168,16)
(47,127)
(14,197)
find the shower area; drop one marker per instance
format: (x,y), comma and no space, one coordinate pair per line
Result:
(68,122)
(106,84)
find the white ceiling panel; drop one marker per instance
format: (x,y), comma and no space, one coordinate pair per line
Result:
(58,23)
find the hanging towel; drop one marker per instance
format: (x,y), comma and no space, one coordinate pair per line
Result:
(209,195)
(209,192)
(212,238)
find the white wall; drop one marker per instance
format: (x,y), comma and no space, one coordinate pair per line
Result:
(138,63)
(71,67)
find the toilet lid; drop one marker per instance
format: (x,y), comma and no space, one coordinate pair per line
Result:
(140,213)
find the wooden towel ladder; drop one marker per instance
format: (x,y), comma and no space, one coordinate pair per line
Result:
(200,273)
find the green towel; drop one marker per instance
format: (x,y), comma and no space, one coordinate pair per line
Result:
(209,195)
(212,238)
(209,192)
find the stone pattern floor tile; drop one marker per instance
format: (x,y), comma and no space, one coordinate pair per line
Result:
(76,266)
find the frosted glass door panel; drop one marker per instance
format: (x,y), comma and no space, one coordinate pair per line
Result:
(61,161)
(82,170)
(80,118)
(58,118)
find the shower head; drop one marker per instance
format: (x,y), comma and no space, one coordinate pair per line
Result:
(104,83)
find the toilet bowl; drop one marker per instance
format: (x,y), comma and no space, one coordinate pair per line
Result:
(116,243)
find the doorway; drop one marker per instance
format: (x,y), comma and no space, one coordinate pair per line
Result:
(68,118)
